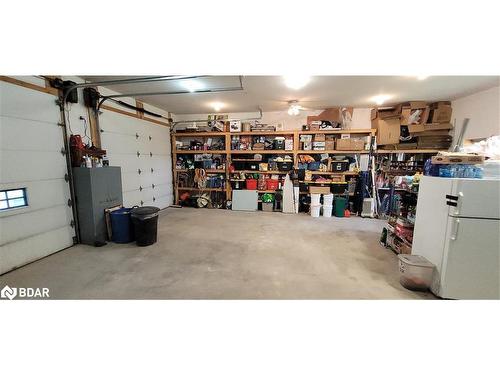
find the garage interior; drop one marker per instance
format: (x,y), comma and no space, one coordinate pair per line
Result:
(260,187)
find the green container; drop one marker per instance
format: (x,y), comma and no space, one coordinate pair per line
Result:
(339,206)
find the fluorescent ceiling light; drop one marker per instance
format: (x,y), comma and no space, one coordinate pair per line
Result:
(296,81)
(380,99)
(217,106)
(421,78)
(192,85)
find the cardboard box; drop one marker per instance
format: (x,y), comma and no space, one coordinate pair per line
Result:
(330,114)
(386,112)
(313,127)
(330,145)
(440,114)
(443,126)
(431,132)
(318,146)
(458,159)
(348,144)
(407,111)
(319,138)
(235,126)
(388,130)
(439,104)
(416,128)
(319,190)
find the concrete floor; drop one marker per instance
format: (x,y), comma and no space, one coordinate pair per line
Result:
(218,254)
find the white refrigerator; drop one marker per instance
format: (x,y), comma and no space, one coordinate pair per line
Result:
(457,228)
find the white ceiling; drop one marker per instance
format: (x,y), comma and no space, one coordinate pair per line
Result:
(271,94)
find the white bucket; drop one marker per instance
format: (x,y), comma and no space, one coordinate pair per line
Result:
(315,210)
(328,200)
(327,211)
(315,199)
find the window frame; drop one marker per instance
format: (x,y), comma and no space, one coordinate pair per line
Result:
(7,199)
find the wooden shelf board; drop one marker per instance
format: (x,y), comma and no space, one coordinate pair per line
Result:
(261,172)
(199,152)
(333,152)
(409,151)
(221,171)
(348,173)
(202,189)
(339,131)
(270,133)
(200,134)
(290,152)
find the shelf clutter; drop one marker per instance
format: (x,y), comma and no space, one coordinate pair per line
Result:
(413,125)
(323,157)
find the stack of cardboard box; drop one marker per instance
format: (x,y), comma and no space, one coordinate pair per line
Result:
(419,124)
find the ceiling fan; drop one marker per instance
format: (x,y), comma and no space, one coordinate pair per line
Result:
(294,108)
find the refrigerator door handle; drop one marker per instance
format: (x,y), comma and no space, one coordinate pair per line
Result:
(454,235)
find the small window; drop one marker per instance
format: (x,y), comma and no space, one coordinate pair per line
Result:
(13,198)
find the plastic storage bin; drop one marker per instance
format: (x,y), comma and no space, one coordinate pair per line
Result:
(328,200)
(315,211)
(327,211)
(315,199)
(415,272)
(251,184)
(272,184)
(121,226)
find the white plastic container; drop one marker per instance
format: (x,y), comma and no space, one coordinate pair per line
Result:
(328,200)
(327,211)
(315,199)
(415,272)
(315,210)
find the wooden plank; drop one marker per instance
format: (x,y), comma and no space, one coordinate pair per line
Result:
(221,152)
(333,152)
(199,134)
(130,114)
(340,131)
(14,81)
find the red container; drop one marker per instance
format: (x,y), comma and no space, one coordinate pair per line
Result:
(251,184)
(272,184)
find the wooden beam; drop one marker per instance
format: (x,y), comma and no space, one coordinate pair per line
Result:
(122,112)
(138,104)
(45,89)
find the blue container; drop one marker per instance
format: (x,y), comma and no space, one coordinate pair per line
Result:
(121,226)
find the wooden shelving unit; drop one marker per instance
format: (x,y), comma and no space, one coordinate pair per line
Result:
(295,134)
(228,153)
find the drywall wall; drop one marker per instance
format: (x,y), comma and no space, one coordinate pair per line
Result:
(360,120)
(483,110)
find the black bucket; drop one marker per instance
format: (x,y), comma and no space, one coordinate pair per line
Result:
(145,220)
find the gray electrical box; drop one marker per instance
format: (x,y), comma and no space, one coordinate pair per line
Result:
(96,189)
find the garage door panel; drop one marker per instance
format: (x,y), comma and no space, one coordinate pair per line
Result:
(130,181)
(127,162)
(29,249)
(31,158)
(131,198)
(118,143)
(14,131)
(17,101)
(31,165)
(33,222)
(41,194)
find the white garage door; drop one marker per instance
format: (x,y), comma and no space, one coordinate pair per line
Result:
(31,158)
(142,149)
